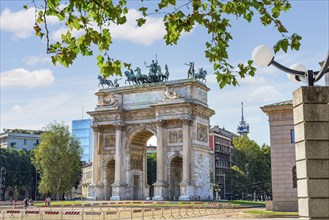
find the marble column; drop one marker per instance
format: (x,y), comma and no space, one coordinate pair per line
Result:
(159,185)
(117,186)
(185,184)
(95,188)
(95,156)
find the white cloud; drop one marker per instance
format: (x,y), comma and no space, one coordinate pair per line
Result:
(151,31)
(33,60)
(253,80)
(21,23)
(16,108)
(28,79)
(264,94)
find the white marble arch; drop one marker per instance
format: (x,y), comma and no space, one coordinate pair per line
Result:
(141,111)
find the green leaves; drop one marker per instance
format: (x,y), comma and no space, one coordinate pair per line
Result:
(57,151)
(89,25)
(293,42)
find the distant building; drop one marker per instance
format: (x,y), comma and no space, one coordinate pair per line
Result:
(151,149)
(82,130)
(220,142)
(283,157)
(243,127)
(19,139)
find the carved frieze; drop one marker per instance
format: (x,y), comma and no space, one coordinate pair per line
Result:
(139,115)
(109,100)
(173,124)
(202,133)
(131,128)
(170,93)
(136,162)
(174,111)
(109,141)
(107,117)
(175,136)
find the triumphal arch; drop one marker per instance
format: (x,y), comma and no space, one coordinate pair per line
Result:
(177,113)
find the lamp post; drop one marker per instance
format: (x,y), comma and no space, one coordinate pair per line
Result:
(263,56)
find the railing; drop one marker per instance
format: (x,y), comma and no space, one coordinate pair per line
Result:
(115,212)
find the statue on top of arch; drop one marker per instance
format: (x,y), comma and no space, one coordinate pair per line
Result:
(155,74)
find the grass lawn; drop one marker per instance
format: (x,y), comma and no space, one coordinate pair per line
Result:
(61,203)
(261,212)
(247,203)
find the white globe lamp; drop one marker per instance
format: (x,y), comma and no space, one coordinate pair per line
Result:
(262,55)
(297,67)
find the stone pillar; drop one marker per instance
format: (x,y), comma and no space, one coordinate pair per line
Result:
(95,157)
(159,184)
(185,184)
(146,187)
(117,186)
(311,119)
(95,190)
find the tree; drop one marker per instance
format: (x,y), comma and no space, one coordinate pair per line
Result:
(151,168)
(57,159)
(252,170)
(93,19)
(19,171)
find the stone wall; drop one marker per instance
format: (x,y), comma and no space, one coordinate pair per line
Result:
(284,191)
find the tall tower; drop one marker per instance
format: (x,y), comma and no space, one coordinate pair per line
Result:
(243,127)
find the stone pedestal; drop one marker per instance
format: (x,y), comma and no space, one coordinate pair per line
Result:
(118,192)
(96,192)
(159,191)
(311,118)
(185,191)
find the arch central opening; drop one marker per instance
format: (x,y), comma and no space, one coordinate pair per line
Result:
(142,151)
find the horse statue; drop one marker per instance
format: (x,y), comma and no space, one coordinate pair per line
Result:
(115,83)
(190,71)
(201,75)
(141,78)
(131,78)
(103,81)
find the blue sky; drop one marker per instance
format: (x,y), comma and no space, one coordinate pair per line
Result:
(34,92)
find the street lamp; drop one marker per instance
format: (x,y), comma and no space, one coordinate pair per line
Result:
(263,56)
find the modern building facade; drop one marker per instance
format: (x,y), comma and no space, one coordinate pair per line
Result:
(283,158)
(243,127)
(82,130)
(19,139)
(220,142)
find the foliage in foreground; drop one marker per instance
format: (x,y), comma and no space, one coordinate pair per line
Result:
(57,159)
(94,19)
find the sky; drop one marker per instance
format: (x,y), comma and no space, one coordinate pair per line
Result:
(34,92)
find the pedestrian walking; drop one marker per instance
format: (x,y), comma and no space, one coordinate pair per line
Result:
(26,202)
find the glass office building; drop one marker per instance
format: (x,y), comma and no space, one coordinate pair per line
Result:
(82,130)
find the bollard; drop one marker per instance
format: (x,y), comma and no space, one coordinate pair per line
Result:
(153,214)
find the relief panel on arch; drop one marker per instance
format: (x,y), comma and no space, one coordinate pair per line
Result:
(175,136)
(202,133)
